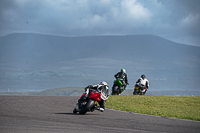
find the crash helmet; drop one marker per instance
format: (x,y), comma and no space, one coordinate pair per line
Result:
(143,76)
(103,83)
(123,70)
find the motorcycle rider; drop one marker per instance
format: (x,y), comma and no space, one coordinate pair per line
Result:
(92,88)
(123,76)
(143,82)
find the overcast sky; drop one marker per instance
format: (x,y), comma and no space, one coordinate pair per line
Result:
(176,20)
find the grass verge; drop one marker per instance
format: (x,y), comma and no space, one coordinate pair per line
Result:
(181,107)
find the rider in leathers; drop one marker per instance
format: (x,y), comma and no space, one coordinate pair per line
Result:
(143,82)
(122,75)
(102,86)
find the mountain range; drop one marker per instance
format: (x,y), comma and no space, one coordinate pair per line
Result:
(37,62)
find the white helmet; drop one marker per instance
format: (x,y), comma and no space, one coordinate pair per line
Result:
(103,83)
(123,70)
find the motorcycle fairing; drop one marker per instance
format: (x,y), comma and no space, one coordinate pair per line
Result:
(137,87)
(96,96)
(82,95)
(118,82)
(143,90)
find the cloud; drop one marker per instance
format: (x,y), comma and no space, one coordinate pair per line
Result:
(133,14)
(91,17)
(190,20)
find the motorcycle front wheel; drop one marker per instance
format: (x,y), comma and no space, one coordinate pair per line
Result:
(87,107)
(115,90)
(135,92)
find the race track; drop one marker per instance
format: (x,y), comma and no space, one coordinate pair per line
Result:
(53,114)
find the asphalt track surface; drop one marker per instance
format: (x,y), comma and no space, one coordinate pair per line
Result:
(53,114)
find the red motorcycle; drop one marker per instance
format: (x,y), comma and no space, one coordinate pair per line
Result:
(88,104)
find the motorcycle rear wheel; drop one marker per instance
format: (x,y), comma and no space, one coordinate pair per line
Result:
(87,107)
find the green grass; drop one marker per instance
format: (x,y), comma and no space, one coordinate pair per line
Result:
(181,107)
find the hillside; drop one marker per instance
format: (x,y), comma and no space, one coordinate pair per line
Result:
(38,62)
(68,91)
(78,91)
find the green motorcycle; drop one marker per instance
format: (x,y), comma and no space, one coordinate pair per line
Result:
(118,87)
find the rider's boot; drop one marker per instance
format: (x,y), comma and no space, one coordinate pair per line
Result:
(101,109)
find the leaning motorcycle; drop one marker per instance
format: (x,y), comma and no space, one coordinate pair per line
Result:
(118,87)
(89,104)
(139,90)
